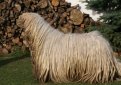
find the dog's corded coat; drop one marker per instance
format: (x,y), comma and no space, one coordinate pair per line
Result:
(60,57)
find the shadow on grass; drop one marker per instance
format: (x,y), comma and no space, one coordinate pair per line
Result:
(16,55)
(9,60)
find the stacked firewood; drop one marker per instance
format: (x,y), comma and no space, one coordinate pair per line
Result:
(59,13)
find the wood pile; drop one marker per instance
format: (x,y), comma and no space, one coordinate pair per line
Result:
(59,13)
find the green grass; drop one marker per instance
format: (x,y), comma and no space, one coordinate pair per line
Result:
(16,69)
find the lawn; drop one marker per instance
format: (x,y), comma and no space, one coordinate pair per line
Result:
(16,69)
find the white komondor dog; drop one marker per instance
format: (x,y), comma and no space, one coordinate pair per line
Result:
(60,57)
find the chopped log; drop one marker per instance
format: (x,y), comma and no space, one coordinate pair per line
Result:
(25,43)
(42,3)
(15,40)
(1,32)
(27,3)
(76,16)
(1,19)
(61,10)
(18,7)
(3,5)
(55,2)
(66,28)
(9,35)
(9,29)
(8,1)
(5,51)
(82,26)
(78,29)
(8,47)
